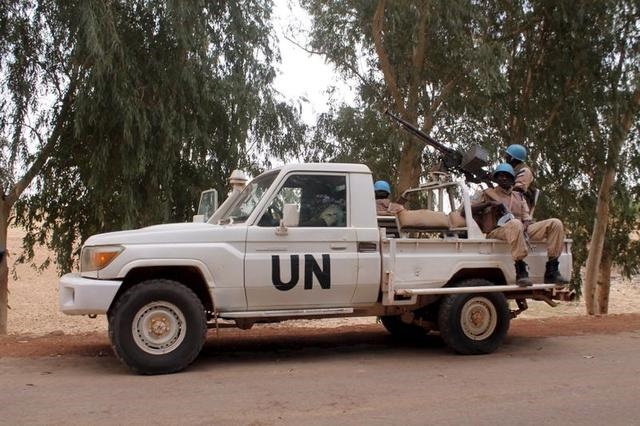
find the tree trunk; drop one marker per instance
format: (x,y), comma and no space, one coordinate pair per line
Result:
(604,283)
(409,168)
(619,134)
(597,238)
(4,269)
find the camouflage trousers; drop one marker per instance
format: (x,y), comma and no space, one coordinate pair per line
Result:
(549,230)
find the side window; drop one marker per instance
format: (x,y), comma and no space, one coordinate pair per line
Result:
(321,201)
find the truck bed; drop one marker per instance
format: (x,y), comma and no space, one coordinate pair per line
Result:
(433,262)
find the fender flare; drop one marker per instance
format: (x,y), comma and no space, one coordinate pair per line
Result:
(148,263)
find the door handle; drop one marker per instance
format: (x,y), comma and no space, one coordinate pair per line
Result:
(338,246)
(367,247)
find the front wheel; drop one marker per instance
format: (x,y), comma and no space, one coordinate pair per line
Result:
(474,324)
(157,327)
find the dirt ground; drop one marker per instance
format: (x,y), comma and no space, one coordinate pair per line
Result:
(96,344)
(338,376)
(34,316)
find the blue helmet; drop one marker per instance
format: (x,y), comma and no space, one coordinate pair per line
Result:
(504,168)
(518,152)
(382,185)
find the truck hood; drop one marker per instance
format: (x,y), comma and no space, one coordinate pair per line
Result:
(173,233)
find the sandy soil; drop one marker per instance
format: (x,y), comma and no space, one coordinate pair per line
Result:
(33,300)
(262,338)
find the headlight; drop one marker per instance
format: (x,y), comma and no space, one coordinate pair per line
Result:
(94,258)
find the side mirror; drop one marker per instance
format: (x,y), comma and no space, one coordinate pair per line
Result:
(290,218)
(208,205)
(290,215)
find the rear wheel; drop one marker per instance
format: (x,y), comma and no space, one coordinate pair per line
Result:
(157,327)
(474,324)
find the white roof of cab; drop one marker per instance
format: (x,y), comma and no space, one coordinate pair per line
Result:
(325,167)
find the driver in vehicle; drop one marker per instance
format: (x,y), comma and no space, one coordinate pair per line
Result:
(334,214)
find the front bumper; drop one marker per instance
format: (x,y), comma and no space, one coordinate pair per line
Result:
(84,296)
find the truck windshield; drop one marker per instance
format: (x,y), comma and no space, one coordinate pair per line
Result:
(249,199)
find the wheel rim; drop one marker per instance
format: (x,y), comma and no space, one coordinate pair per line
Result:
(479,318)
(159,327)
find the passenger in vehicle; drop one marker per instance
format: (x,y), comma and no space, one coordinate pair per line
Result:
(384,205)
(495,203)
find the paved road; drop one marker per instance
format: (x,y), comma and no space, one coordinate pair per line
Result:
(583,380)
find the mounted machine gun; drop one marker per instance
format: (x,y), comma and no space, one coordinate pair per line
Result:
(470,163)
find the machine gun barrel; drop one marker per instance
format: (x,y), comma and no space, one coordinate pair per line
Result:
(470,163)
(421,135)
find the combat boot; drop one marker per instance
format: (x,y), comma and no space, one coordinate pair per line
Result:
(522,276)
(552,274)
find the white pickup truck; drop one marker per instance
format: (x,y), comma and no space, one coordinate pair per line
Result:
(304,241)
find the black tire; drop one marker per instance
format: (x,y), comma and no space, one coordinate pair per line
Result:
(174,311)
(401,330)
(473,324)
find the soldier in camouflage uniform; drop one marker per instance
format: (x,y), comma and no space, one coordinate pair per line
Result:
(516,155)
(504,198)
(384,205)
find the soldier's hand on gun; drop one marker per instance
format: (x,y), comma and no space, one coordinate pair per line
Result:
(500,207)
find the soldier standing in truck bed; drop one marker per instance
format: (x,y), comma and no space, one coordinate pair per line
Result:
(516,155)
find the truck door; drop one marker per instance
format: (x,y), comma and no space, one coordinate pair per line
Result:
(312,264)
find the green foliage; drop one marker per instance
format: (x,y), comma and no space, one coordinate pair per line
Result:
(429,62)
(154,102)
(556,76)
(590,93)
(353,135)
(343,32)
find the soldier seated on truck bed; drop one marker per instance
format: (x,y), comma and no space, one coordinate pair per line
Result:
(384,205)
(518,230)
